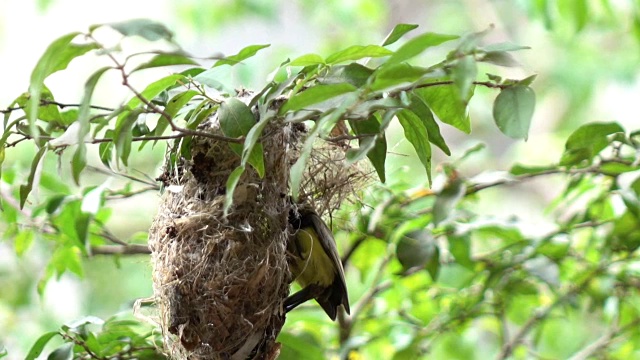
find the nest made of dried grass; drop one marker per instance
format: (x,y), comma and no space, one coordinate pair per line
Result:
(219,282)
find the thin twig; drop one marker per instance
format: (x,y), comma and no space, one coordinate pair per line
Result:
(125,81)
(130,249)
(44,102)
(541,314)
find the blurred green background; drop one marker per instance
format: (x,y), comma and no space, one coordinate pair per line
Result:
(586,54)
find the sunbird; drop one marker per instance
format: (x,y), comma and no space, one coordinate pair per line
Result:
(315,263)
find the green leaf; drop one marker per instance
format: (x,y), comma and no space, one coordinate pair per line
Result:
(22,241)
(154,89)
(588,141)
(420,108)
(397,32)
(513,110)
(122,134)
(82,222)
(416,132)
(39,345)
(418,249)
(315,95)
(580,14)
(354,74)
(299,347)
(307,60)
(148,29)
(35,164)
(55,58)
(444,101)
(460,248)
(447,199)
(527,81)
(504,46)
(418,45)
(357,52)
(553,250)
(78,162)
(519,169)
(464,73)
(252,150)
(45,112)
(218,78)
(67,258)
(171,110)
(375,146)
(501,58)
(105,150)
(230,187)
(64,352)
(244,54)
(166,59)
(396,74)
(236,120)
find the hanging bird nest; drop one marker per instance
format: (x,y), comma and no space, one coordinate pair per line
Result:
(219,282)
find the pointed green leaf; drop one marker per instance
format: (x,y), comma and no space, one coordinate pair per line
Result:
(513,110)
(232,183)
(416,132)
(154,89)
(460,248)
(418,249)
(173,107)
(166,59)
(501,58)
(447,199)
(39,345)
(25,189)
(123,135)
(85,104)
(354,74)
(244,54)
(588,141)
(78,162)
(314,95)
(82,222)
(464,73)
(22,241)
(105,149)
(55,58)
(375,147)
(418,45)
(252,147)
(397,32)
(420,108)
(148,29)
(64,352)
(396,74)
(444,101)
(357,52)
(505,46)
(307,60)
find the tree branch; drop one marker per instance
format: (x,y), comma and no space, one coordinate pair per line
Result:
(129,249)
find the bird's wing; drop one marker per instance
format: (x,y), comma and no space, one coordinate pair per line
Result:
(329,248)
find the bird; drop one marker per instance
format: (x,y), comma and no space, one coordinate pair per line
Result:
(315,263)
